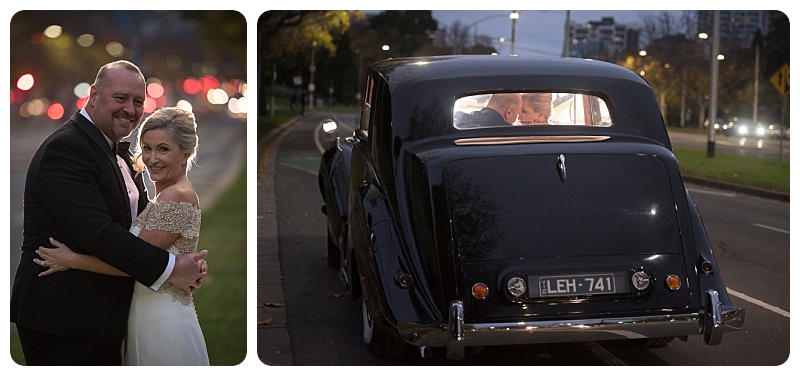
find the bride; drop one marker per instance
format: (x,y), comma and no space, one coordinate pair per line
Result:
(163,328)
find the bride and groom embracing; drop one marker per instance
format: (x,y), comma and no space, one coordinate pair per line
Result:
(95,285)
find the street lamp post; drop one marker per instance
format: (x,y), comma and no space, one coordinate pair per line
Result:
(514,16)
(456,48)
(712,106)
(312,69)
(565,51)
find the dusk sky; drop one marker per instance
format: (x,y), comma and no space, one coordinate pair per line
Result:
(538,32)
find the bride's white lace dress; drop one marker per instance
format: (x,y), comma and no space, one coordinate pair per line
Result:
(163,328)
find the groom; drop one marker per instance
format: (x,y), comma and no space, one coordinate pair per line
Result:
(81,193)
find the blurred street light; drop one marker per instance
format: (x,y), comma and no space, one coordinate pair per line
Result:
(514,16)
(312,69)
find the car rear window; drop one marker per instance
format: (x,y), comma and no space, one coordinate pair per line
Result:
(530,109)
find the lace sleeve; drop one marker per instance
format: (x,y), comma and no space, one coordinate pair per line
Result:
(175,217)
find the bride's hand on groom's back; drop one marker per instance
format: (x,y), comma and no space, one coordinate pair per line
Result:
(55,259)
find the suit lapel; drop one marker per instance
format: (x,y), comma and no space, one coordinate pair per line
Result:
(90,131)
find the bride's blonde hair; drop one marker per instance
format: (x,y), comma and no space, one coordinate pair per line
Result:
(180,124)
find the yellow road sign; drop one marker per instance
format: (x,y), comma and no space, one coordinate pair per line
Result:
(781,80)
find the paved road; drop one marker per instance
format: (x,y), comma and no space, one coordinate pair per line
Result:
(763,148)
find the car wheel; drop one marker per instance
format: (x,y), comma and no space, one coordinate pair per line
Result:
(380,344)
(655,342)
(333,254)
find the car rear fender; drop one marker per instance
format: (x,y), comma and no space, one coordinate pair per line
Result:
(382,262)
(710,276)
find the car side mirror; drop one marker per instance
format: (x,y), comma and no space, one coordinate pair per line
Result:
(329,126)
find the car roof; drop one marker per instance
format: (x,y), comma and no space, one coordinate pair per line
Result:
(404,70)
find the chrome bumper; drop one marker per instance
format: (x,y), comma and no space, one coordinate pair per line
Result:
(710,322)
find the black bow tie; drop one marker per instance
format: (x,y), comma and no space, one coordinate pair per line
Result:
(122,148)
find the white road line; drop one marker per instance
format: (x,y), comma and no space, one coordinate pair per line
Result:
(317,141)
(770,228)
(716,193)
(759,303)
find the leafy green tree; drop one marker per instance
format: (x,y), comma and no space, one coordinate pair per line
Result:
(287,37)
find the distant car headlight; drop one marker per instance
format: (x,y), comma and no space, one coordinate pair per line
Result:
(760,131)
(741,129)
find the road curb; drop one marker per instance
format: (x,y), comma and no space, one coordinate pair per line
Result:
(738,188)
(274,344)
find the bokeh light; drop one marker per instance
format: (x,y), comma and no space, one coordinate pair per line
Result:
(25,82)
(209,82)
(86,40)
(217,96)
(81,102)
(81,90)
(53,31)
(115,49)
(55,111)
(35,107)
(155,90)
(150,105)
(37,38)
(192,86)
(238,105)
(184,105)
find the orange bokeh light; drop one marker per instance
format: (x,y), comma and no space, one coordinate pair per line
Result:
(55,111)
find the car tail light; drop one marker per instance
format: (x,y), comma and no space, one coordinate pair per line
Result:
(405,280)
(707,267)
(480,291)
(673,282)
(516,286)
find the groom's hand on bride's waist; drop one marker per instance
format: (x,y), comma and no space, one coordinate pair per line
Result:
(188,273)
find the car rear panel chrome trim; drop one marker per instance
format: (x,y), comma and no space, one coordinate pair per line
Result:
(526,140)
(457,334)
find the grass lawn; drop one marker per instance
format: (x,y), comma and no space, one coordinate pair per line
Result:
(221,302)
(750,171)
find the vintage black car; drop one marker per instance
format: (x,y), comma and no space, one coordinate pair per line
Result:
(458,227)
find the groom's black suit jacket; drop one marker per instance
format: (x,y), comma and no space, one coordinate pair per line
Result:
(75,193)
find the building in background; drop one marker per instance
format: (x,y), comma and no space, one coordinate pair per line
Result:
(737,27)
(602,40)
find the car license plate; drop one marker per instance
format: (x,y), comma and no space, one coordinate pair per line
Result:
(578,284)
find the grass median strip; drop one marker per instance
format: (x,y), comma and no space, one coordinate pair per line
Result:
(750,171)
